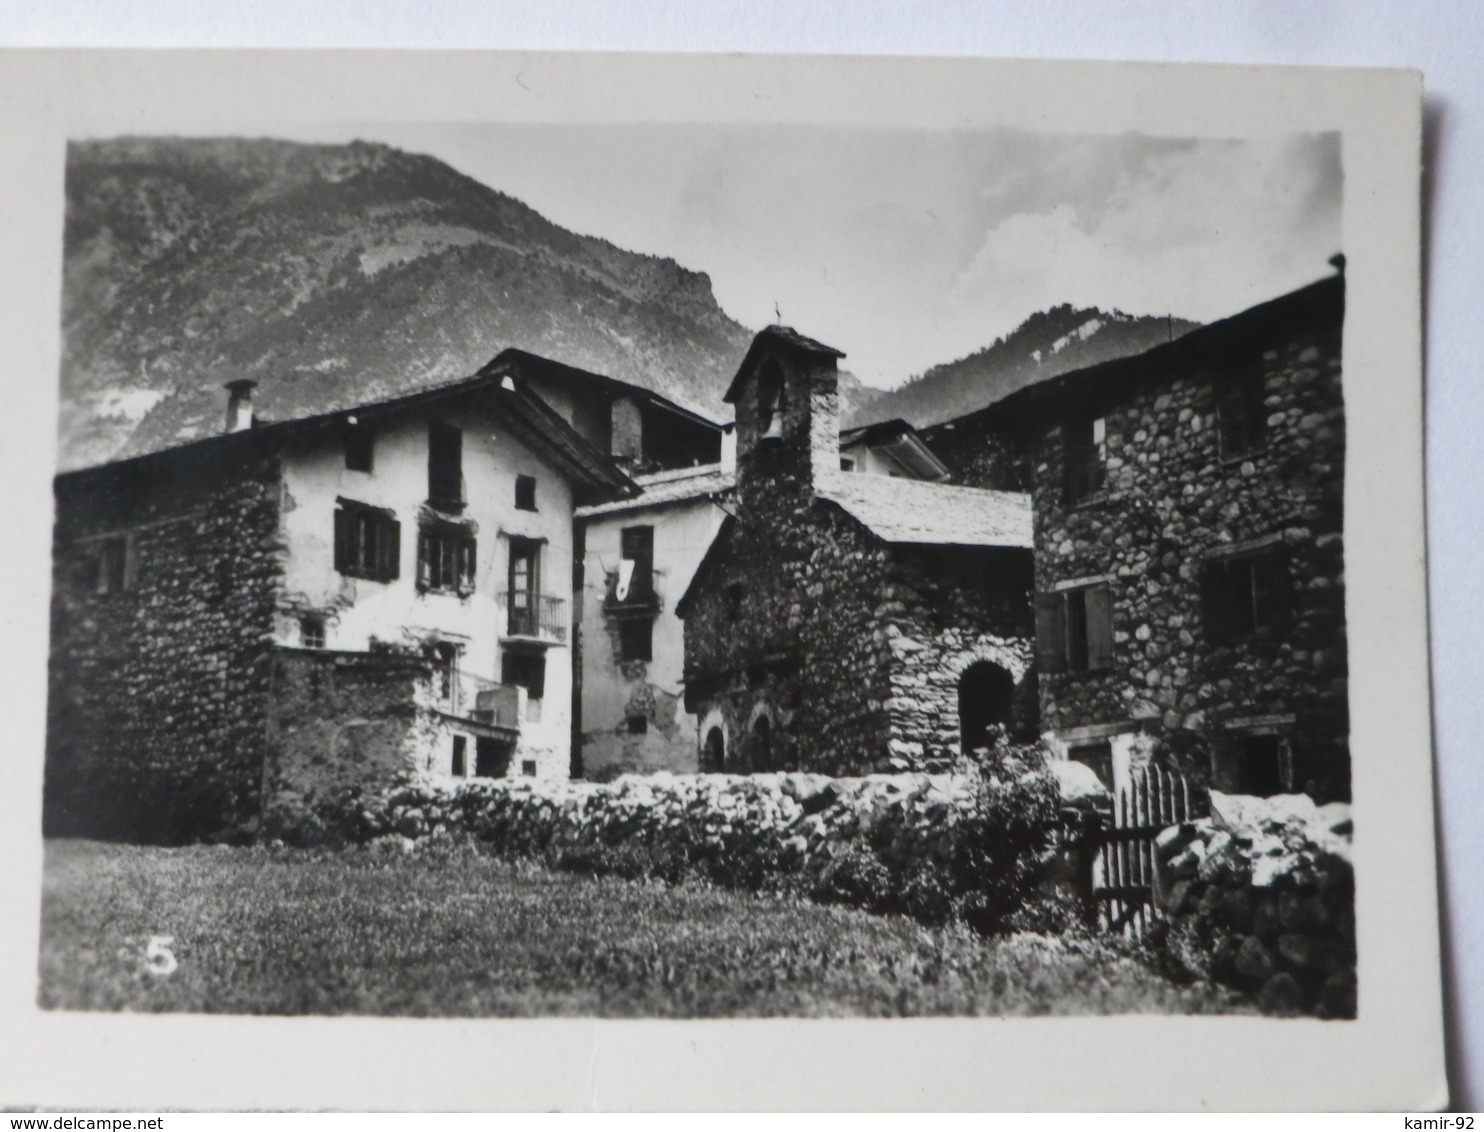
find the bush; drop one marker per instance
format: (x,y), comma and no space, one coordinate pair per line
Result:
(939,848)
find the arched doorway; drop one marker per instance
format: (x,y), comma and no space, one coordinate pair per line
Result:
(714,752)
(986,693)
(760,746)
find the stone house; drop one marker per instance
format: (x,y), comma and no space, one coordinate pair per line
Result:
(1189,548)
(251,621)
(848,623)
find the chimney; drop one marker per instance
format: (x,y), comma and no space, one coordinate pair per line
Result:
(239,404)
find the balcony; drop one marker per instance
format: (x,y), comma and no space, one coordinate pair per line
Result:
(538,618)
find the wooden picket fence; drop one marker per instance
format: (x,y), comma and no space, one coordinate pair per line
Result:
(1122,882)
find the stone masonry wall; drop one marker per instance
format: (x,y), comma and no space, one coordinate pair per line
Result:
(852,648)
(1170,501)
(158,692)
(805,648)
(937,626)
(343,720)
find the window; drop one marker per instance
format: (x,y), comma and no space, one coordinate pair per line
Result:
(637,724)
(1241,418)
(368,542)
(1097,756)
(525,588)
(847,464)
(312,632)
(460,765)
(528,767)
(635,581)
(636,639)
(360,446)
(525,493)
(113,566)
(1074,630)
(445,466)
(445,558)
(1086,457)
(1246,596)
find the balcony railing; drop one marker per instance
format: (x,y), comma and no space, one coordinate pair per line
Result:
(537,617)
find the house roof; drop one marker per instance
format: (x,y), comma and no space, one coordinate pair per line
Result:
(525,362)
(674,486)
(934,514)
(528,418)
(899,440)
(908,513)
(785,336)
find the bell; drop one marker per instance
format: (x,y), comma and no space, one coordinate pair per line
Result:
(774,431)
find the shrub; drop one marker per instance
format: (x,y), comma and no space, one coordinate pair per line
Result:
(936,847)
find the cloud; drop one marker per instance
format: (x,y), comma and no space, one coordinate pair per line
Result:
(1201,232)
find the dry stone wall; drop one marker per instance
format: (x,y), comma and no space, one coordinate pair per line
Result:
(159,689)
(1261,896)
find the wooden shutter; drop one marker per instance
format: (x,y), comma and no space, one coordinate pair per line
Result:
(342,540)
(1051,645)
(388,549)
(1099,601)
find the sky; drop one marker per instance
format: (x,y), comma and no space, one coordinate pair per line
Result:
(907,249)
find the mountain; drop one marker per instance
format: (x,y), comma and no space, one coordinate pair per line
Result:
(1049,343)
(334,275)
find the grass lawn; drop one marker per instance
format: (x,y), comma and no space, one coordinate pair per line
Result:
(263,931)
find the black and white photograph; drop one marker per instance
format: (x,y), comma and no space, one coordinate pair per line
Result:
(721,567)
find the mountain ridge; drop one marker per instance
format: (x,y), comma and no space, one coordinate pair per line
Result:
(335,275)
(1047,344)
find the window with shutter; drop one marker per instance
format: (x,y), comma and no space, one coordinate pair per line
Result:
(368,542)
(1074,629)
(446,554)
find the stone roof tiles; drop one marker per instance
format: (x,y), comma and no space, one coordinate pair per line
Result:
(933,514)
(668,487)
